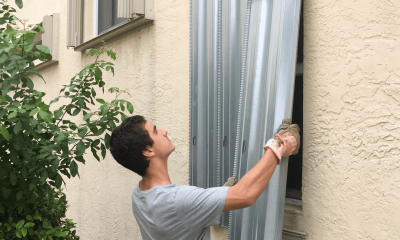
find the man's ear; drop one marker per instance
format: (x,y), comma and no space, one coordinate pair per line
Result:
(148,153)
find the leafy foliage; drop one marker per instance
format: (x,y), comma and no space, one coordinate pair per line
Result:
(39,147)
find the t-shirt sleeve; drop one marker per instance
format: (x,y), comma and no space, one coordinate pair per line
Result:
(200,207)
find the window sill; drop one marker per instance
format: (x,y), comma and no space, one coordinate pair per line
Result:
(39,65)
(292,235)
(115,32)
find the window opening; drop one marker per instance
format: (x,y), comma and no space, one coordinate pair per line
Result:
(295,167)
(107,15)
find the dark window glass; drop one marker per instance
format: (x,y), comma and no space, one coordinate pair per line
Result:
(107,18)
(295,168)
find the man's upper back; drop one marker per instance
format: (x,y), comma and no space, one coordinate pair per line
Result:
(177,212)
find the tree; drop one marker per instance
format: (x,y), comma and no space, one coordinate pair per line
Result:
(39,147)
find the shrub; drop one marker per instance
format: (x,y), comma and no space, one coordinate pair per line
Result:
(38,146)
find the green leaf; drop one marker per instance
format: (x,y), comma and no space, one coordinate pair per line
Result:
(129,107)
(12,115)
(2,113)
(6,192)
(58,181)
(44,115)
(24,231)
(11,108)
(100,101)
(20,224)
(107,140)
(55,164)
(80,148)
(76,111)
(2,99)
(18,127)
(58,113)
(29,83)
(103,150)
(121,104)
(54,100)
(19,3)
(33,112)
(44,177)
(103,109)
(73,168)
(93,92)
(5,133)
(19,195)
(3,57)
(43,49)
(24,172)
(29,224)
(87,116)
(95,154)
(100,131)
(97,73)
(82,131)
(13,178)
(18,233)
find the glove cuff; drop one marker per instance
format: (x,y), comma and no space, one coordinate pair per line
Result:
(273,145)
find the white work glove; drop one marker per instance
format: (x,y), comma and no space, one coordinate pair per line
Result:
(286,142)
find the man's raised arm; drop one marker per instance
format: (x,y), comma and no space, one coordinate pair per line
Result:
(253,183)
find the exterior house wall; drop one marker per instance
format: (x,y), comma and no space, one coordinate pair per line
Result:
(351,170)
(351,167)
(153,66)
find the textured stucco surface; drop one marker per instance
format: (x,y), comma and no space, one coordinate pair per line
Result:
(351,171)
(153,66)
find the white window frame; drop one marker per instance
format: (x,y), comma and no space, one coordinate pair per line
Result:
(138,21)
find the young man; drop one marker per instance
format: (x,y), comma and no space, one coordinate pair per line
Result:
(166,211)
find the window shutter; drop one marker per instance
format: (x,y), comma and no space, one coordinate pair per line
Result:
(75,23)
(48,32)
(50,37)
(130,8)
(133,8)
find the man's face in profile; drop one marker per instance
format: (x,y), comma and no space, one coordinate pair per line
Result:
(162,146)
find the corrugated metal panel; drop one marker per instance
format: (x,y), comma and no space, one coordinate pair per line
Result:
(75,23)
(267,98)
(243,57)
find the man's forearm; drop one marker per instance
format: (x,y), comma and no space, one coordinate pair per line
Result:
(252,184)
(256,180)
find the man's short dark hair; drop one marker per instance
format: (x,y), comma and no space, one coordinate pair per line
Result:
(127,142)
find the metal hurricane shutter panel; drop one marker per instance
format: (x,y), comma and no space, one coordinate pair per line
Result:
(242,109)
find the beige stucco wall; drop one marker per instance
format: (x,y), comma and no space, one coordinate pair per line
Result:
(351,172)
(153,66)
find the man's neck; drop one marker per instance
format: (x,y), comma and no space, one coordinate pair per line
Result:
(156,175)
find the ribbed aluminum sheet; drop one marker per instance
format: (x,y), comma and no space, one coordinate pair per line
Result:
(243,56)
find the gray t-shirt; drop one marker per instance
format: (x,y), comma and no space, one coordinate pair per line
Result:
(177,212)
